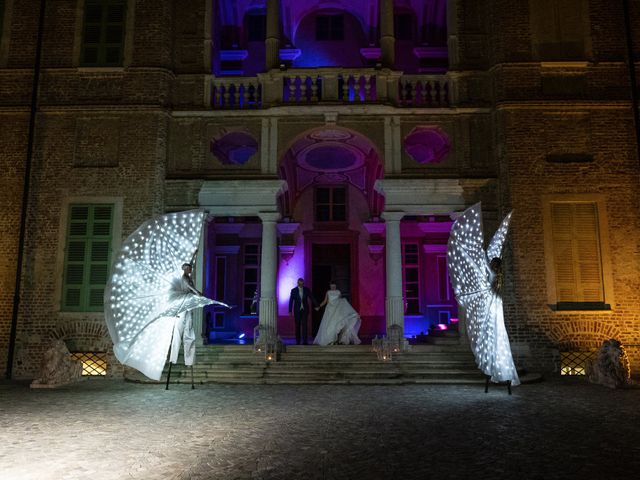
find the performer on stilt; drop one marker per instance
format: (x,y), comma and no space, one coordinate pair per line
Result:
(183,326)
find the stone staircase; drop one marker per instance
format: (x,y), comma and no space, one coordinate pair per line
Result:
(340,364)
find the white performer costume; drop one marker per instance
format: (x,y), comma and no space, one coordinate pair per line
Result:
(476,279)
(340,322)
(183,326)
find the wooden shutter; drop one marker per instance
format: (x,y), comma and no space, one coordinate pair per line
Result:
(103,32)
(88,256)
(576,252)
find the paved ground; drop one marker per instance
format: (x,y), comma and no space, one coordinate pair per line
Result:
(100,429)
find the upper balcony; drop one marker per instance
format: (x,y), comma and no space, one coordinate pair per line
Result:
(345,86)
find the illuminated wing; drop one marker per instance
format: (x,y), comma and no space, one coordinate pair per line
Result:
(497,242)
(141,290)
(466,259)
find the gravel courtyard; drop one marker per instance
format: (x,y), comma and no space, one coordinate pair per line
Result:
(107,429)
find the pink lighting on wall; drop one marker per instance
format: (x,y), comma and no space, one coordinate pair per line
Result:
(288,275)
(428,144)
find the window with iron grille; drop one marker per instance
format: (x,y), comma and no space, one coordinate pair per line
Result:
(330,27)
(87,256)
(94,364)
(411,276)
(251,275)
(103,33)
(331,204)
(575,363)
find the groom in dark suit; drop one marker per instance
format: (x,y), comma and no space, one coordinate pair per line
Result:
(299,307)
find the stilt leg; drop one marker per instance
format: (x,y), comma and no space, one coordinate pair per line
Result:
(486,384)
(168,377)
(192,385)
(509,387)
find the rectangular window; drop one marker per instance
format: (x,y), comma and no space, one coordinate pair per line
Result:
(576,255)
(331,204)
(2,6)
(251,277)
(560,29)
(411,276)
(330,28)
(87,256)
(218,320)
(103,33)
(256,28)
(444,288)
(221,276)
(403,26)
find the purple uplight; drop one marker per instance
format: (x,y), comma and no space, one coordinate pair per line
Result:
(288,275)
(442,326)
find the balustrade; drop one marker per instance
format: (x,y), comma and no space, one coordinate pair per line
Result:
(331,85)
(423,91)
(236,93)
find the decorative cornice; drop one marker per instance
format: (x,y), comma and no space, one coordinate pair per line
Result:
(241,197)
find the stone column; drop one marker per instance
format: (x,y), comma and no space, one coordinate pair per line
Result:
(272,41)
(387,38)
(268,314)
(394,302)
(199,268)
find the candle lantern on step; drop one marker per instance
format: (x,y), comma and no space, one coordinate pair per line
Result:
(270,352)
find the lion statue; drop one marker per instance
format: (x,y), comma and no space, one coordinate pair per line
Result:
(611,365)
(57,367)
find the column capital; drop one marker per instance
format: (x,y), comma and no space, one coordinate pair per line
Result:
(269,217)
(392,216)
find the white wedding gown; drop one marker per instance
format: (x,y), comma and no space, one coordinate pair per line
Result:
(340,322)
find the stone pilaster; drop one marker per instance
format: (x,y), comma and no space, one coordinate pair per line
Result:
(394,302)
(268,314)
(387,38)
(272,42)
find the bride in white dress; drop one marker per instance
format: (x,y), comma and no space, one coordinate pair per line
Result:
(340,322)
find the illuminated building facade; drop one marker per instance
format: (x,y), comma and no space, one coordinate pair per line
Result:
(327,140)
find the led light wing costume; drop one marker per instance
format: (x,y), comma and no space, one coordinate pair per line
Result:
(476,277)
(145,295)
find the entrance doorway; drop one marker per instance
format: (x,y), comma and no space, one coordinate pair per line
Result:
(329,262)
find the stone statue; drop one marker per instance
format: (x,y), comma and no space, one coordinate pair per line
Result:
(611,365)
(57,367)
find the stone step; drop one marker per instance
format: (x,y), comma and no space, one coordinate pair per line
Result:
(339,364)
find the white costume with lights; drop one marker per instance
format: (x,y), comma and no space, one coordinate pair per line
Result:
(146,292)
(477,288)
(183,326)
(340,322)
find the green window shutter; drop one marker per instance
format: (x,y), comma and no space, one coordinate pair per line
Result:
(103,33)
(88,256)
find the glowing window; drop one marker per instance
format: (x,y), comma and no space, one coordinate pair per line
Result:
(574,363)
(94,364)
